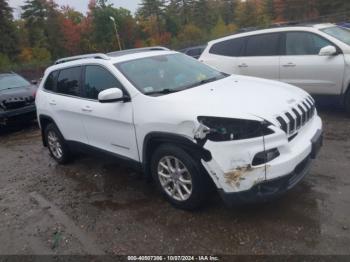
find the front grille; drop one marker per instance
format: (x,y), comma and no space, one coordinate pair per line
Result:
(18,102)
(291,121)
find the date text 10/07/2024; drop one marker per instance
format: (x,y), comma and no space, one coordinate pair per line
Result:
(173,258)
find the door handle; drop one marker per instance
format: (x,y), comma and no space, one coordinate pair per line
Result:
(243,65)
(52,102)
(289,65)
(86,109)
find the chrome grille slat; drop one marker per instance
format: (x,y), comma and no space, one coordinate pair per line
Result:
(292,120)
(298,118)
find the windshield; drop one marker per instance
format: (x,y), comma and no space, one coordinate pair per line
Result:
(9,81)
(167,73)
(341,33)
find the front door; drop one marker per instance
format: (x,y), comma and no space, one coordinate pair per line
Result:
(301,64)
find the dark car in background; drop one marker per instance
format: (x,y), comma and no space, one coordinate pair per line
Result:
(194,51)
(17,99)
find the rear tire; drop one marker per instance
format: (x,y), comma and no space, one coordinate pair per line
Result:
(57,146)
(179,177)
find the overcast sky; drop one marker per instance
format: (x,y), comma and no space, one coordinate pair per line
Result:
(80,5)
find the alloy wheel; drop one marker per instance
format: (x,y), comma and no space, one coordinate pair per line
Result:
(175,178)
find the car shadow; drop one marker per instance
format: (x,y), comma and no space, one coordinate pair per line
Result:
(18,127)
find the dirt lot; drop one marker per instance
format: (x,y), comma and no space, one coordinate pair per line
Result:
(95,206)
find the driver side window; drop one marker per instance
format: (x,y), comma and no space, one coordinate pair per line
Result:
(303,43)
(98,79)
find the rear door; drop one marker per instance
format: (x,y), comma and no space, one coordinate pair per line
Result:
(224,55)
(261,56)
(302,66)
(64,103)
(109,126)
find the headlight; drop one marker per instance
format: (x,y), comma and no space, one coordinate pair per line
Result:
(226,129)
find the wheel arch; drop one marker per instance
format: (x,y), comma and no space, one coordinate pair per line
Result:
(44,121)
(154,139)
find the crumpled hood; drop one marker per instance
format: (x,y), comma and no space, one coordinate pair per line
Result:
(237,97)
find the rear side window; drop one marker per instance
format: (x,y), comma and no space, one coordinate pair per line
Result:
(50,81)
(263,45)
(232,47)
(68,81)
(303,43)
(98,79)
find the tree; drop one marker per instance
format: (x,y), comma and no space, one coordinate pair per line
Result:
(190,35)
(8,31)
(152,8)
(220,29)
(203,16)
(54,30)
(227,10)
(264,13)
(71,14)
(35,16)
(297,10)
(245,14)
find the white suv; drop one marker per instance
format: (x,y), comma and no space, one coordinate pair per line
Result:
(315,58)
(183,123)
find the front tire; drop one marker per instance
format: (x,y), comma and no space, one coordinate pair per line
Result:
(56,144)
(179,177)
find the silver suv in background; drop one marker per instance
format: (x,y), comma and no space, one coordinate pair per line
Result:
(315,58)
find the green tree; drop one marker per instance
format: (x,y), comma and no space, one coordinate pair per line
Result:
(226,10)
(190,35)
(245,14)
(8,31)
(153,8)
(203,15)
(35,14)
(220,29)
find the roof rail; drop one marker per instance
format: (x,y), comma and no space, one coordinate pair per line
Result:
(137,50)
(73,58)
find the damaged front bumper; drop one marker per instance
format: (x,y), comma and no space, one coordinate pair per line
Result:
(16,115)
(269,189)
(239,181)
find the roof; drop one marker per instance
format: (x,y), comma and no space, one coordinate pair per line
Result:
(108,56)
(275,28)
(137,50)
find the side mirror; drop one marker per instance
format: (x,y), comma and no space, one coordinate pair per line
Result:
(328,51)
(34,82)
(112,95)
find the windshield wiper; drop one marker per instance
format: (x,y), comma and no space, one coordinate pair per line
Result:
(162,92)
(202,82)
(169,91)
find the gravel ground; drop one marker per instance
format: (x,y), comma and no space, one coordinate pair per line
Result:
(95,206)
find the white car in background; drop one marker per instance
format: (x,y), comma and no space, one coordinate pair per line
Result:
(315,58)
(181,122)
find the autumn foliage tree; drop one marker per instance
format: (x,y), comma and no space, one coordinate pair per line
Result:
(46,31)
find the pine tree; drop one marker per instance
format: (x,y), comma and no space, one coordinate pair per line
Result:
(203,16)
(9,38)
(153,8)
(35,14)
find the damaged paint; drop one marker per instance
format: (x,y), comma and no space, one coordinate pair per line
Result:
(234,177)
